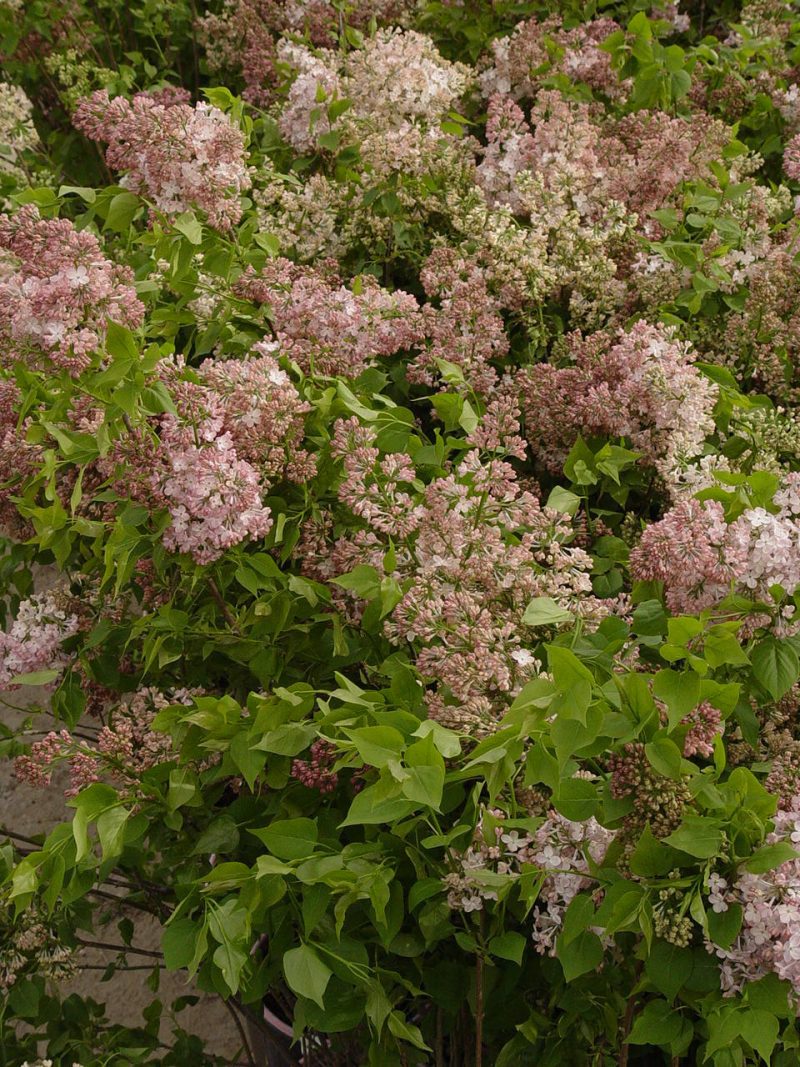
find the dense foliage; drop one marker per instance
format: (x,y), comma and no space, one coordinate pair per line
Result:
(400,503)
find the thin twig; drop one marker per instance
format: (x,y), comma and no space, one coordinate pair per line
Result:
(479,1010)
(245,1045)
(626,1029)
(117,967)
(122,901)
(226,611)
(121,948)
(18,837)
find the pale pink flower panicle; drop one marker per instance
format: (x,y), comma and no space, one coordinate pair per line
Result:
(178,156)
(214,497)
(58,292)
(326,327)
(769,940)
(701,558)
(640,385)
(33,642)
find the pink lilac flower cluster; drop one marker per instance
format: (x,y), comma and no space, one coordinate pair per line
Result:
(510,150)
(19,459)
(498,851)
(466,328)
(214,498)
(372,483)
(471,550)
(769,940)
(573,157)
(58,292)
(36,769)
(701,558)
(565,850)
(243,34)
(327,328)
(705,725)
(262,412)
(34,640)
(122,751)
(316,772)
(239,37)
(538,50)
(239,429)
(304,116)
(128,745)
(396,84)
(640,385)
(178,156)
(400,74)
(560,848)
(791,158)
(32,945)
(761,342)
(694,552)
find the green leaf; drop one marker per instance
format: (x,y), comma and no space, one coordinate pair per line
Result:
(306,974)
(652,857)
(758,1027)
(584,953)
(668,966)
(182,787)
(406,1031)
(121,344)
(84,192)
(760,1031)
(221,836)
(178,944)
(579,915)
(111,830)
(679,691)
(724,926)
(121,210)
(665,756)
(35,678)
(564,501)
(231,960)
(363,580)
(377,745)
(775,665)
(187,224)
(382,802)
(424,785)
(289,739)
(769,857)
(508,946)
(247,759)
(89,805)
(544,611)
(658,1024)
(574,682)
(446,741)
(289,839)
(566,668)
(650,619)
(541,766)
(697,835)
(576,799)
(378,1006)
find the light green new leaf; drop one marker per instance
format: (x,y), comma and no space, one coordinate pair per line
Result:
(306,974)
